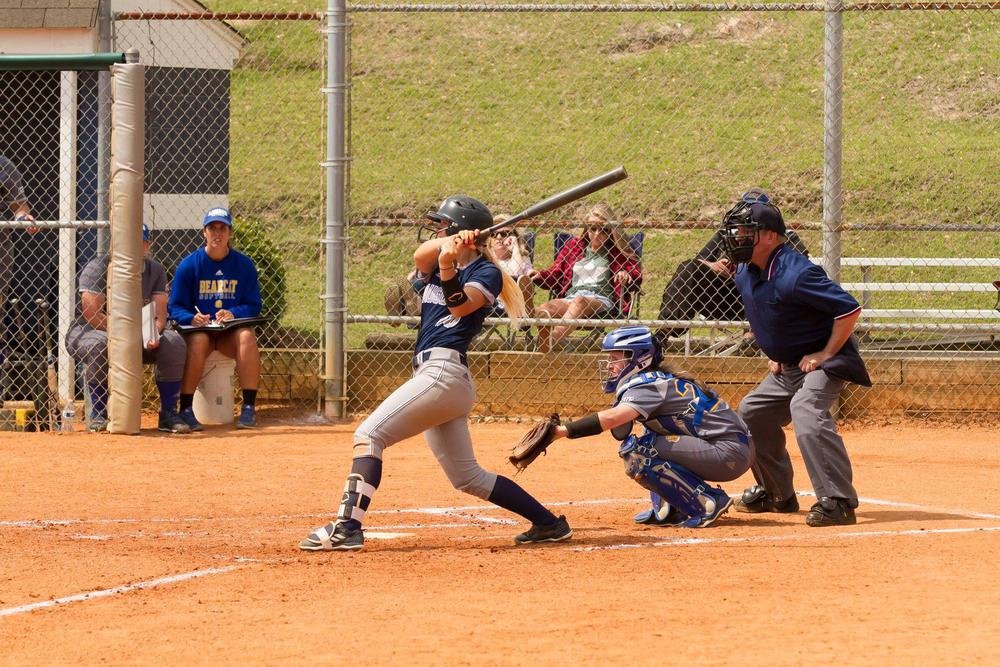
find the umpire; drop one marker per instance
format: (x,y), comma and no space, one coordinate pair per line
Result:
(803,322)
(87,340)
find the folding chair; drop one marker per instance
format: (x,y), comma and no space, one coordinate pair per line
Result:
(628,302)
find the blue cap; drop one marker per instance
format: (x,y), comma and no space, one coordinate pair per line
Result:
(145,233)
(218,215)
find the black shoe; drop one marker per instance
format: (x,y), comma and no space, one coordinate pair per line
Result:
(554,532)
(831,512)
(334,537)
(757,499)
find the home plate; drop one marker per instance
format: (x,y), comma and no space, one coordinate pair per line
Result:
(372,535)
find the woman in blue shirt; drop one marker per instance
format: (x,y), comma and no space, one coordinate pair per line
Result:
(212,285)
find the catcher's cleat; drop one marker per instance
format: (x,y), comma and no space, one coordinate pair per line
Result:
(665,515)
(334,537)
(757,499)
(719,503)
(554,532)
(831,512)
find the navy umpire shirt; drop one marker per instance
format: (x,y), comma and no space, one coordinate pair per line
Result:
(791,305)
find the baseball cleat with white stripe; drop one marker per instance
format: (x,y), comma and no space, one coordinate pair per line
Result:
(334,537)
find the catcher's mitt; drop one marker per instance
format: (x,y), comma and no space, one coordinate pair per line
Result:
(534,442)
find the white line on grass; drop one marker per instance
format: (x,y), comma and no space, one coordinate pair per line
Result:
(108,592)
(688,541)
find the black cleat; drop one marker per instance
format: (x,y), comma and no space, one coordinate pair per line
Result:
(334,537)
(757,499)
(831,512)
(554,532)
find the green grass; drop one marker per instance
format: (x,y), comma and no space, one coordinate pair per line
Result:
(513,107)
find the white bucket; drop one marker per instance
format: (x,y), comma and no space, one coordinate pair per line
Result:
(213,399)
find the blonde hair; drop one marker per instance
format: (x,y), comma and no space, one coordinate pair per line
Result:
(615,235)
(510,294)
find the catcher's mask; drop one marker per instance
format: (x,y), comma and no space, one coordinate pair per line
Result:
(456,213)
(742,225)
(641,350)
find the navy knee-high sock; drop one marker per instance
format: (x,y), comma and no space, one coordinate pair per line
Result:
(508,495)
(370,468)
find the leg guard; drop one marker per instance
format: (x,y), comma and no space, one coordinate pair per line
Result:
(357,496)
(676,485)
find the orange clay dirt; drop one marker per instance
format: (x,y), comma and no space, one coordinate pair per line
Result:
(187,547)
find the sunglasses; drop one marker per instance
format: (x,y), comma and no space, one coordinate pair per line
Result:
(504,233)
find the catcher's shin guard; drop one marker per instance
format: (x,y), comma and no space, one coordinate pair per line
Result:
(357,496)
(676,485)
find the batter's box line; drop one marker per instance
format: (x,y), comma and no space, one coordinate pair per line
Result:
(45,523)
(693,541)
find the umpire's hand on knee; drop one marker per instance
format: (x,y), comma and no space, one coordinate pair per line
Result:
(774,367)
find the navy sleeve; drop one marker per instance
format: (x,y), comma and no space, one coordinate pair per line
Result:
(487,278)
(250,302)
(815,289)
(182,292)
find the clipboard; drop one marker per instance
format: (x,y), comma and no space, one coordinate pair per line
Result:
(228,325)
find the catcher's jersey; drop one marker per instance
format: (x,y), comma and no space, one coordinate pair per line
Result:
(670,405)
(438,327)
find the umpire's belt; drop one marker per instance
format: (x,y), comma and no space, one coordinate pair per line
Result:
(440,354)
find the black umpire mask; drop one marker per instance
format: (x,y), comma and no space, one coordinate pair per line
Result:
(739,233)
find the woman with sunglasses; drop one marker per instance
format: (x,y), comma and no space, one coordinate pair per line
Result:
(590,275)
(511,254)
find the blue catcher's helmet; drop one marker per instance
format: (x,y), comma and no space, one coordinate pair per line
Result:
(642,352)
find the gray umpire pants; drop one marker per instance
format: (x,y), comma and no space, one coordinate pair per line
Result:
(804,399)
(436,401)
(90,347)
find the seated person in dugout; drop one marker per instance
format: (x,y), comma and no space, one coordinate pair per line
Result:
(590,276)
(513,257)
(87,339)
(702,286)
(214,284)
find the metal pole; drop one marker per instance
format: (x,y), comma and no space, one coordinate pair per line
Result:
(833,79)
(103,125)
(335,166)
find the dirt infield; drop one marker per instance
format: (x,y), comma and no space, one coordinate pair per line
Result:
(152,549)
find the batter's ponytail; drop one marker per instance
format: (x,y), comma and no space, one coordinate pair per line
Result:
(511,295)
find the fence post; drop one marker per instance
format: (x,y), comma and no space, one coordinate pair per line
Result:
(335,165)
(103,125)
(833,80)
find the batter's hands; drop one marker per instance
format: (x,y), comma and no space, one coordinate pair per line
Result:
(812,362)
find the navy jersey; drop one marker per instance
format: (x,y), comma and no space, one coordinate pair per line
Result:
(791,305)
(670,405)
(438,327)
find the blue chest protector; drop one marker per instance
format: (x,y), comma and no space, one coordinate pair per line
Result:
(684,407)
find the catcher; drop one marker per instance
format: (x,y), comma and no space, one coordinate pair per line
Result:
(691,436)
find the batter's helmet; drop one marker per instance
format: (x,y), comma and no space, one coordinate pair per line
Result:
(461,212)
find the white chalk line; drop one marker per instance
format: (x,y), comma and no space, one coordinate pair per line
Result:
(108,592)
(688,541)
(46,523)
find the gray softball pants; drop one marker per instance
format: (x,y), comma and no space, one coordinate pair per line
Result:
(436,401)
(719,461)
(804,399)
(91,348)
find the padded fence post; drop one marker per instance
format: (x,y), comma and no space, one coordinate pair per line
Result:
(124,275)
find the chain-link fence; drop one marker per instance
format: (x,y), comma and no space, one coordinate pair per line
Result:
(49,163)
(234,119)
(700,103)
(887,179)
